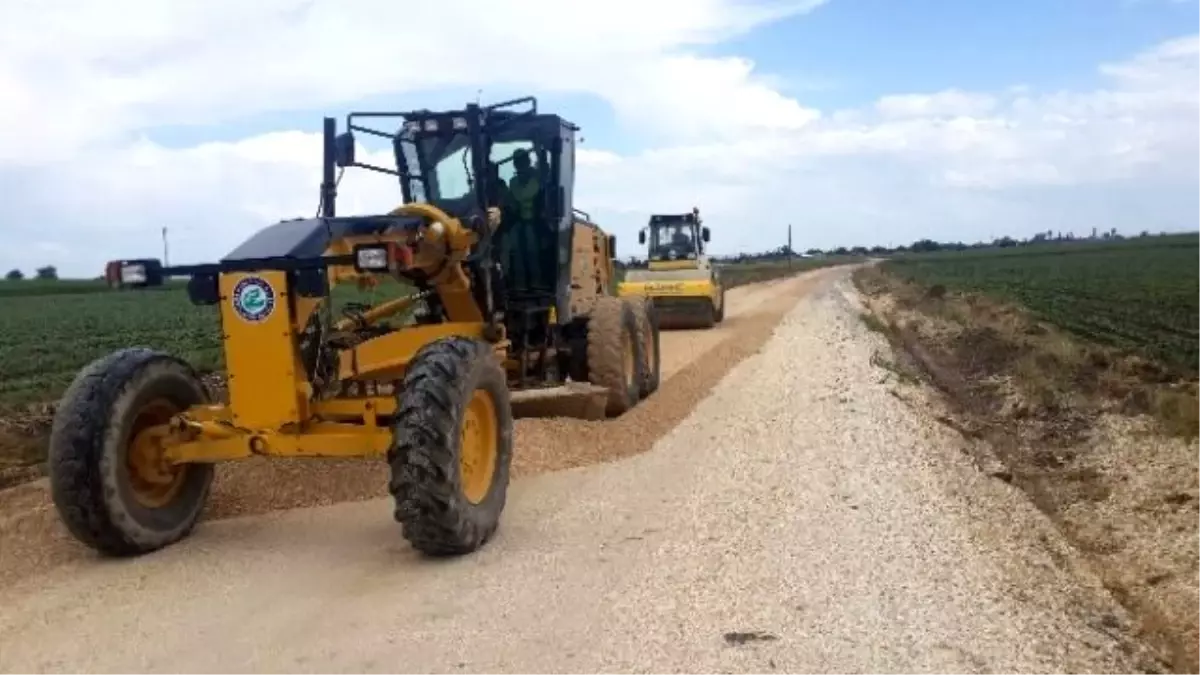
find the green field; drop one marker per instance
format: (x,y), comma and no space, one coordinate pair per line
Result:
(47,335)
(1140,295)
(50,329)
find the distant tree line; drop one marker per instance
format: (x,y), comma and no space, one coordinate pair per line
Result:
(44,273)
(919,246)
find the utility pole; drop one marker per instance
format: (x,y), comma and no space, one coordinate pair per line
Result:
(789,252)
(166,257)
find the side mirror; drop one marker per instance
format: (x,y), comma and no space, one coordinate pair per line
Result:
(641,236)
(705,234)
(612,246)
(343,150)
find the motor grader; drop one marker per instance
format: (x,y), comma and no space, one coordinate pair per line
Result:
(422,381)
(680,280)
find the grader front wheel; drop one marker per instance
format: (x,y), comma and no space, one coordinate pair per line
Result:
(108,478)
(452,447)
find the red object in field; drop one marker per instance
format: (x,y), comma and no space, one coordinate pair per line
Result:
(112,273)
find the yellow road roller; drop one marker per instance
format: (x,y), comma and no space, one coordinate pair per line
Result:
(680,279)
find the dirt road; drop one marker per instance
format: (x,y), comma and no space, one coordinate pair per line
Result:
(791,514)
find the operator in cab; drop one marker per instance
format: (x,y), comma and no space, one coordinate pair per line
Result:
(681,239)
(499,195)
(676,242)
(523,243)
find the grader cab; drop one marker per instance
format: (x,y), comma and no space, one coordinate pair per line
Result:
(423,380)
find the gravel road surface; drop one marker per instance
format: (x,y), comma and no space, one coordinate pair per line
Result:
(802,517)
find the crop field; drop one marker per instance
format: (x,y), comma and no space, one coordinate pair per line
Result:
(47,335)
(1141,295)
(50,329)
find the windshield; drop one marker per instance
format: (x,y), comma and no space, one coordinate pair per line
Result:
(672,241)
(437,169)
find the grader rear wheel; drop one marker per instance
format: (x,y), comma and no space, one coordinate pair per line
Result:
(614,354)
(108,478)
(648,338)
(452,447)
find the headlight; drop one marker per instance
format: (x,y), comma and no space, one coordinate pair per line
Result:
(133,274)
(371,258)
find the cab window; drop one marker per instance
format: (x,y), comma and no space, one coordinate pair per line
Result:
(453,174)
(502,156)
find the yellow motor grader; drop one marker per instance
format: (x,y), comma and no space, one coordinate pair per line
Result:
(680,279)
(423,381)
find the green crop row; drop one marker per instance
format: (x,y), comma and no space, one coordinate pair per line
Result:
(1140,295)
(46,338)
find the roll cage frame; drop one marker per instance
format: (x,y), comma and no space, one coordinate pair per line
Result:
(424,138)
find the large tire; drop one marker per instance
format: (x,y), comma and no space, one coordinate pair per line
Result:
(648,338)
(444,507)
(721,308)
(101,484)
(614,354)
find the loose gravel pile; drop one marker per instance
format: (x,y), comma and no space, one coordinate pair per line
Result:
(31,538)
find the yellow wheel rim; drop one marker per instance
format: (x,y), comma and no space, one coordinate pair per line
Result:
(153,481)
(480,446)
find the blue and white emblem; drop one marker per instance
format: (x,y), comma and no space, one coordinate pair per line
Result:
(253,299)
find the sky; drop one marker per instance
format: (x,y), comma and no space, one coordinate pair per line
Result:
(857,122)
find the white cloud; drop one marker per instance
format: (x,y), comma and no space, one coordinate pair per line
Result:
(75,72)
(951,103)
(955,164)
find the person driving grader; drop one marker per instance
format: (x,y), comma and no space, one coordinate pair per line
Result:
(522,239)
(422,381)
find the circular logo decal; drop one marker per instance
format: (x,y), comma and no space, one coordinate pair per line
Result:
(253,299)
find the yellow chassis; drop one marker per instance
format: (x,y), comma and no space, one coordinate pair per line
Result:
(336,427)
(670,289)
(271,409)
(684,294)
